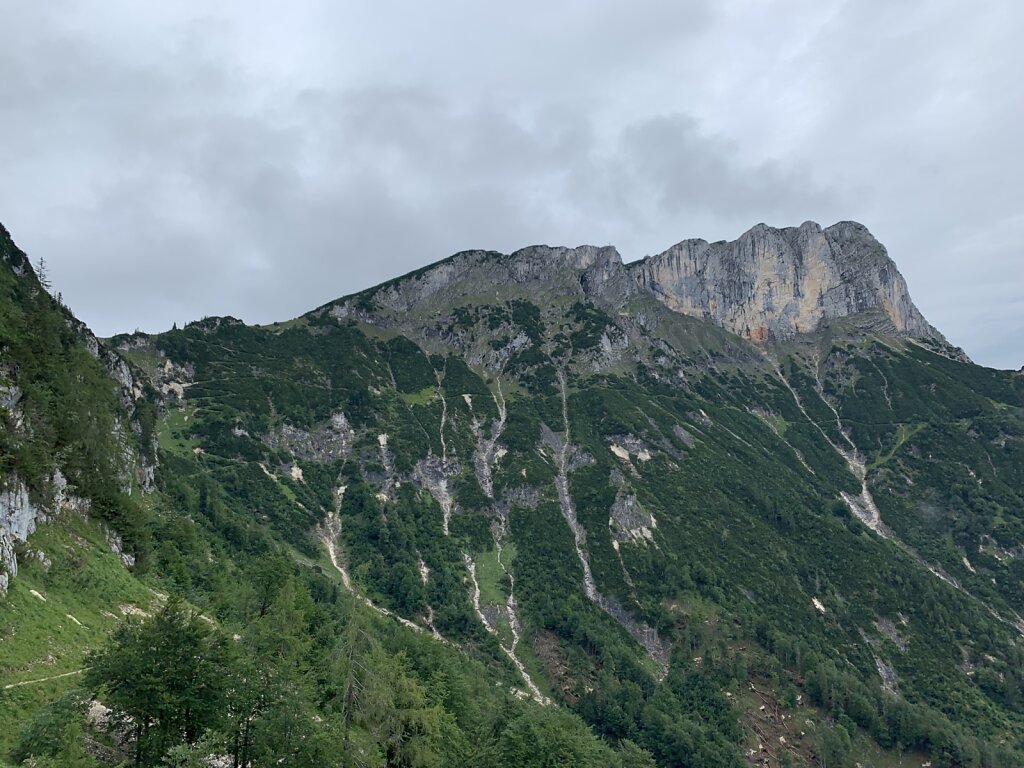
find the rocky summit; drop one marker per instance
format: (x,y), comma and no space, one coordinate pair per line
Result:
(769,284)
(735,504)
(774,283)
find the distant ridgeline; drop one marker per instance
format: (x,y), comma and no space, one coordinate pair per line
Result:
(734,504)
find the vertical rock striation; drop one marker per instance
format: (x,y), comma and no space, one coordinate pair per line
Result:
(774,283)
(768,284)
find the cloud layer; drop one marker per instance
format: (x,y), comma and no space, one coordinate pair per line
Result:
(171,162)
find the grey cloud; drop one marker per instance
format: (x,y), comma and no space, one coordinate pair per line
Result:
(181,161)
(687,169)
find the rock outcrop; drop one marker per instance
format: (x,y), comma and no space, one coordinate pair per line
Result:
(774,283)
(769,284)
(18,516)
(324,444)
(474,276)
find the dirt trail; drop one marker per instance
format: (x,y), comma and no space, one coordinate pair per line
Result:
(43,679)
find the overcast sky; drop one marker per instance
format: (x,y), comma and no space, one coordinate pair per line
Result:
(254,158)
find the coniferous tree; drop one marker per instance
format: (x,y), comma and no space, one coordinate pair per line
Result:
(165,675)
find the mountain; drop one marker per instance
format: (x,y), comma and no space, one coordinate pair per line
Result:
(737,503)
(775,283)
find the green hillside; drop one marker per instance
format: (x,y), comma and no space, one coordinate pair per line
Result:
(514,524)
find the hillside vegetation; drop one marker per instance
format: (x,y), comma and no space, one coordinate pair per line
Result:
(541,524)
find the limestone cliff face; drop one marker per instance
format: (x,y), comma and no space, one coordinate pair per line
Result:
(774,283)
(769,284)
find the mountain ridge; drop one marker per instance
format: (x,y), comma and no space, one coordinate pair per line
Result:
(529,468)
(768,285)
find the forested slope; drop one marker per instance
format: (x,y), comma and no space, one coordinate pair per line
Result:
(459,519)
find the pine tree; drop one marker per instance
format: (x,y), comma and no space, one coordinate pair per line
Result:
(43,274)
(72,752)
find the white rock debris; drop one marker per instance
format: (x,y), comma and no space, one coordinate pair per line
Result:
(330,531)
(488,452)
(514,626)
(566,460)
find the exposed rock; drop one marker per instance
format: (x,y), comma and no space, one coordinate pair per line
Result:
(171,380)
(387,460)
(768,284)
(488,452)
(10,396)
(41,558)
(122,373)
(887,628)
(627,446)
(472,274)
(699,417)
(8,561)
(629,522)
(992,547)
(18,515)
(890,682)
(522,496)
(63,500)
(773,283)
(116,545)
(18,518)
(568,458)
(324,444)
(432,474)
(684,437)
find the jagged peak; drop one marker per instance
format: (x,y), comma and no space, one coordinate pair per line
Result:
(775,282)
(846,224)
(761,229)
(770,282)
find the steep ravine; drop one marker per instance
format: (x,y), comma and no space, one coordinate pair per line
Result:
(330,533)
(659,650)
(514,627)
(488,452)
(486,455)
(865,509)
